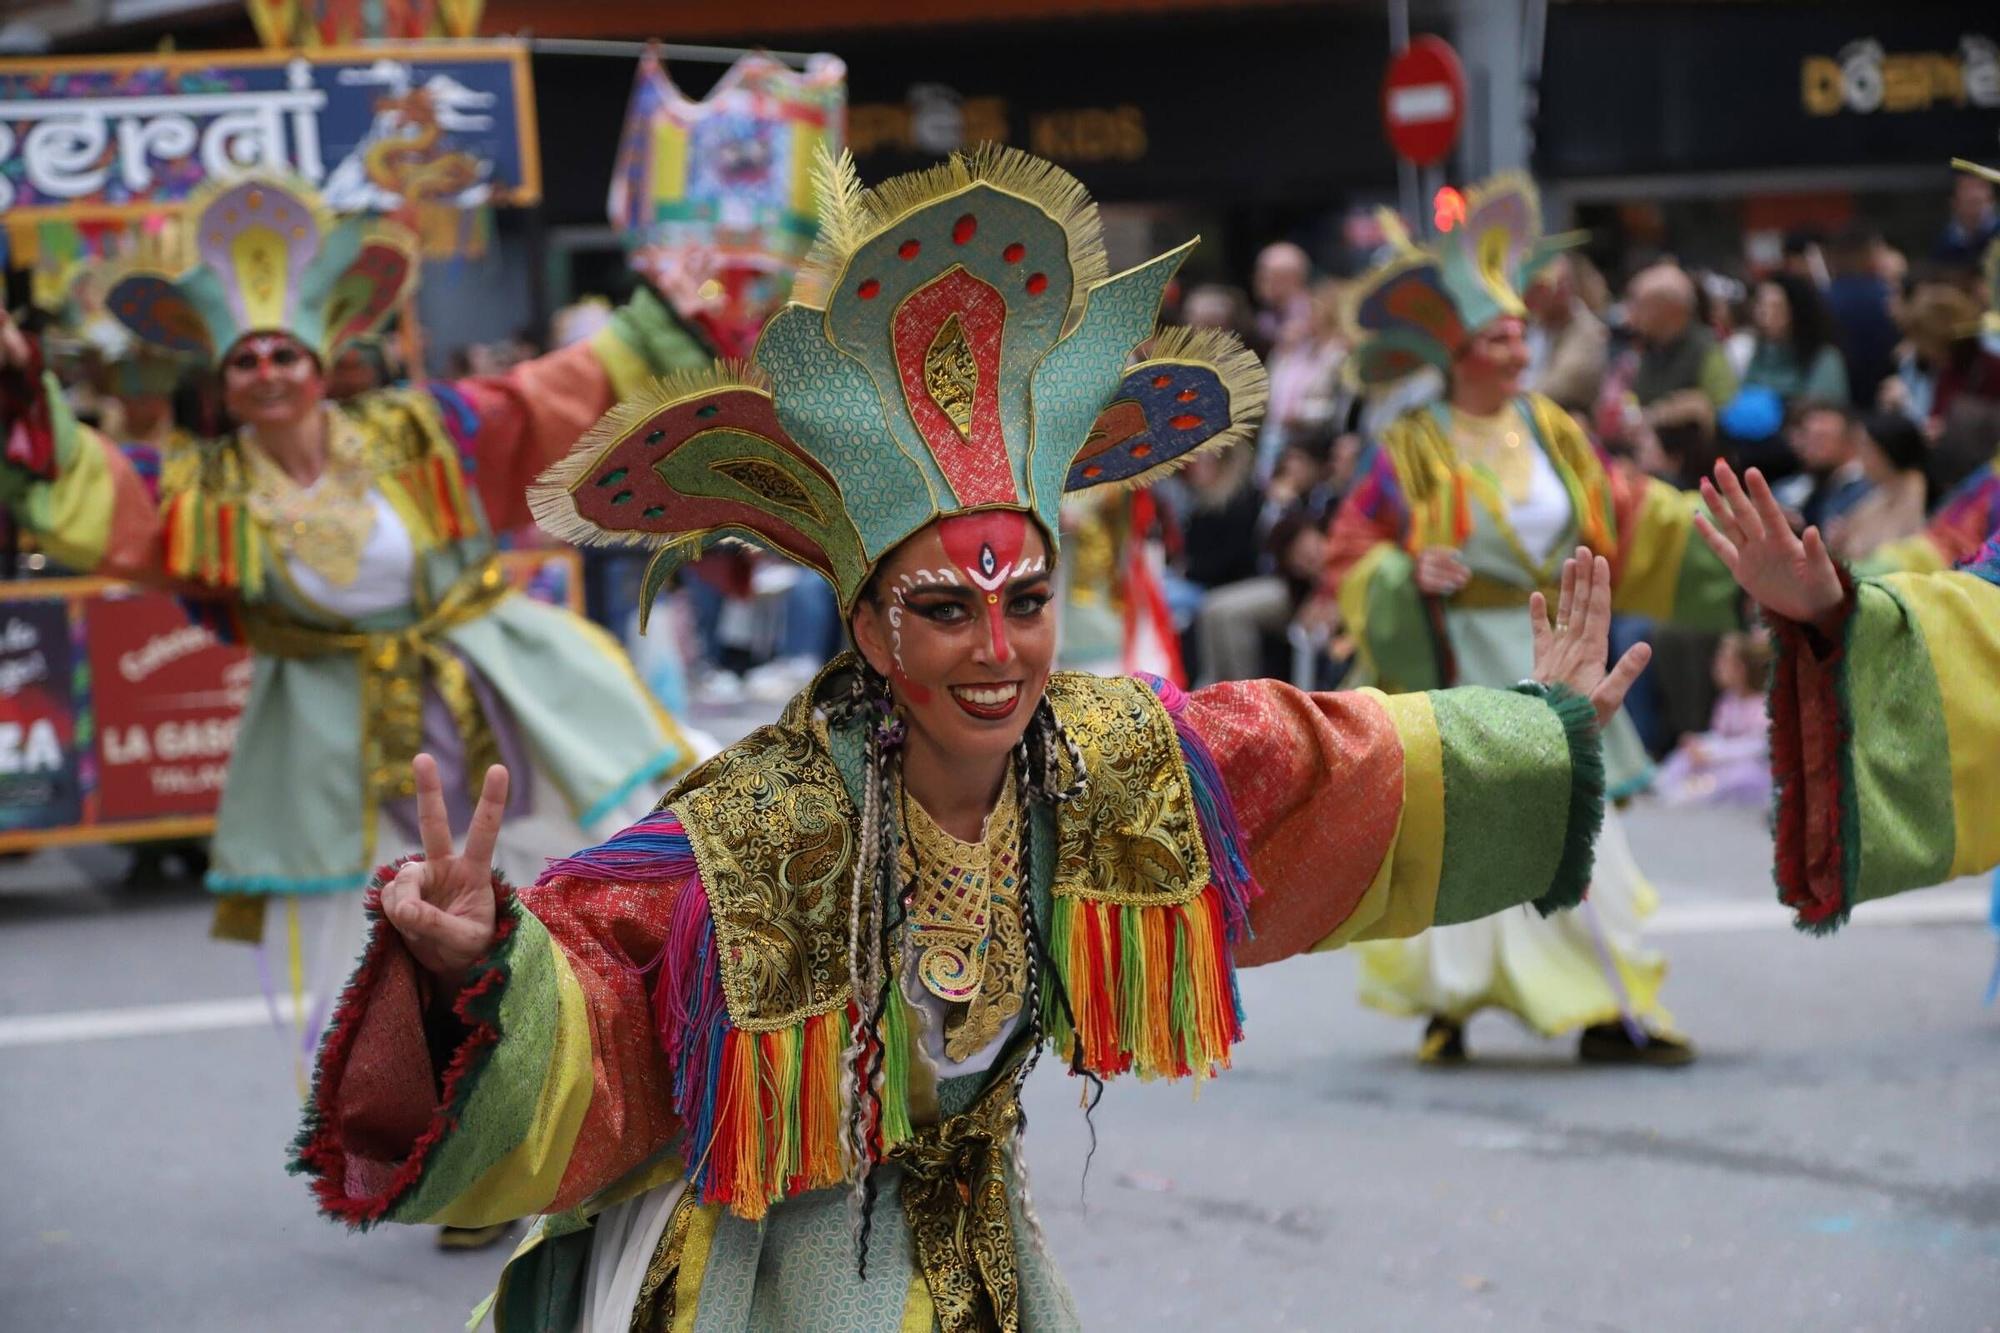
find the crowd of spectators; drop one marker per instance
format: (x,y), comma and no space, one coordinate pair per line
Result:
(1856,379)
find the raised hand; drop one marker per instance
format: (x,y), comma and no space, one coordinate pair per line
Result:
(1789,575)
(442,906)
(1574,651)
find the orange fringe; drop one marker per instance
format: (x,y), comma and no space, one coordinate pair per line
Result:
(1152,990)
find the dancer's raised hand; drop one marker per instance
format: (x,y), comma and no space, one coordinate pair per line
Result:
(1573,653)
(1789,575)
(442,906)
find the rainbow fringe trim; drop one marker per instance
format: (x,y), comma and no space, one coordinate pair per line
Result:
(1152,990)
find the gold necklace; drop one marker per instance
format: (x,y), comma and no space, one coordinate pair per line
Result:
(963,917)
(1500,444)
(324,526)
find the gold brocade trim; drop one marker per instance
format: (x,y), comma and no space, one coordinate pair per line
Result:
(951,375)
(1134,837)
(1486,594)
(393,664)
(324,526)
(657,1309)
(961,1222)
(964,920)
(772,827)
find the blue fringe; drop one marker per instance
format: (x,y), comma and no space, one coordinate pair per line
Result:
(656,849)
(1221,830)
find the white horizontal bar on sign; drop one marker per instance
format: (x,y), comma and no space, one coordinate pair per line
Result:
(147,1020)
(1421,103)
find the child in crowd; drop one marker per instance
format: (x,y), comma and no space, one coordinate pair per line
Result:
(1729,764)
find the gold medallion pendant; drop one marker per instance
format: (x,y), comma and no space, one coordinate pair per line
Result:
(962,910)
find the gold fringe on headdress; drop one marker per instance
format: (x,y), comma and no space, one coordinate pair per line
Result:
(850,215)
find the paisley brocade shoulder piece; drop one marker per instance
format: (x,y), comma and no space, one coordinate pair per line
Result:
(1133,838)
(773,830)
(774,827)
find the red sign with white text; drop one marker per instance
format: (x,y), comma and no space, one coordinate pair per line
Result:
(1423,100)
(167,697)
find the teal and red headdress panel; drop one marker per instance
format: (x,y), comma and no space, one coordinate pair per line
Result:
(1422,304)
(270,258)
(956,345)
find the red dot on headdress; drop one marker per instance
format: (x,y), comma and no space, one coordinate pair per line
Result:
(1014,253)
(1037,283)
(1185,396)
(867,290)
(963,229)
(1185,422)
(909,249)
(1162,381)
(1093,471)
(1141,449)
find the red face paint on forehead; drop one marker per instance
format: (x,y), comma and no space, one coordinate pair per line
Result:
(987,548)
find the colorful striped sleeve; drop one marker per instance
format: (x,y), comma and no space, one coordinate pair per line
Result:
(555,1085)
(1885,744)
(510,427)
(95,514)
(1370,815)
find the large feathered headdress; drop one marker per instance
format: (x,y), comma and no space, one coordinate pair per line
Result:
(1420,306)
(269,258)
(953,344)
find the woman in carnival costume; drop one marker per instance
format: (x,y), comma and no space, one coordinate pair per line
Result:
(349,546)
(1467,506)
(756,1060)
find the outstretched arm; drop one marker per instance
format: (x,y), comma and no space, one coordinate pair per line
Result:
(1369,815)
(495,1054)
(71,487)
(513,426)
(1884,745)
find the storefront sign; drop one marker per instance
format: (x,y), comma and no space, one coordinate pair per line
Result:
(120,136)
(1865,79)
(1645,89)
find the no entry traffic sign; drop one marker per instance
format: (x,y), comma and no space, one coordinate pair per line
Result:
(1423,100)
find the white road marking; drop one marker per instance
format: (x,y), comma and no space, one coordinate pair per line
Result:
(144,1020)
(1933,907)
(1945,906)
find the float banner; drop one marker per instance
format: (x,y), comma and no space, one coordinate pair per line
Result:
(167,698)
(40,778)
(103,137)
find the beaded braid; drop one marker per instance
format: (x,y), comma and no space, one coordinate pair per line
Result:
(885,889)
(1050,737)
(875,860)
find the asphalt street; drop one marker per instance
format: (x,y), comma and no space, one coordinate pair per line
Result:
(1832,1162)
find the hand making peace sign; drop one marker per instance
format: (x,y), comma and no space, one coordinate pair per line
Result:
(442,906)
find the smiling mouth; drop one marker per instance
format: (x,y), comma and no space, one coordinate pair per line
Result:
(988,702)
